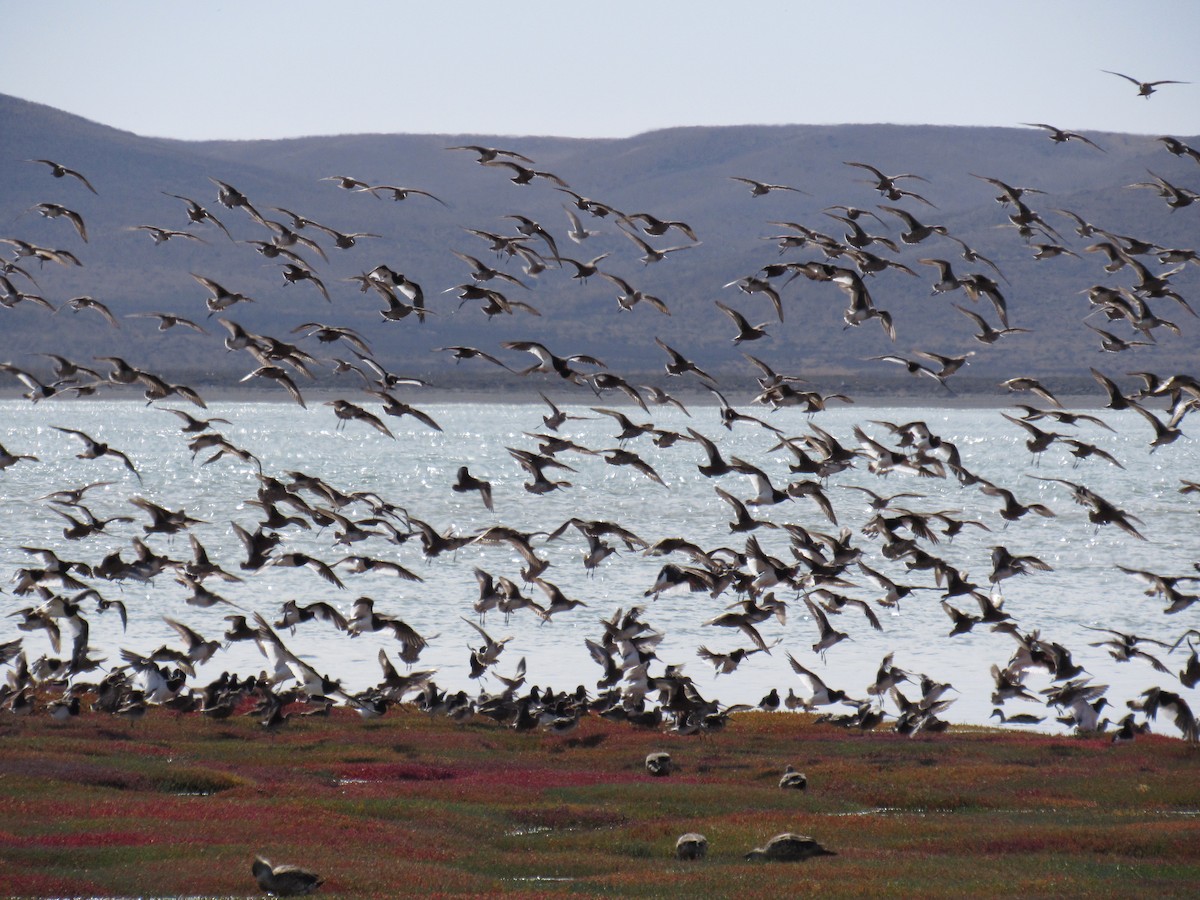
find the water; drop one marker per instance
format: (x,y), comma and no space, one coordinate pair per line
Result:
(416,470)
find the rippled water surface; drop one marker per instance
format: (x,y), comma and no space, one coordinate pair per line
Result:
(416,470)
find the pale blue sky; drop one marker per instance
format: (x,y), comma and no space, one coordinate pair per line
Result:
(241,69)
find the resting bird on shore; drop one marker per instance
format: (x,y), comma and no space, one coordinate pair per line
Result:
(284,880)
(659,764)
(691,846)
(789,847)
(793,780)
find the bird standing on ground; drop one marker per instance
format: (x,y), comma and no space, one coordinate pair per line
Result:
(691,846)
(789,847)
(284,880)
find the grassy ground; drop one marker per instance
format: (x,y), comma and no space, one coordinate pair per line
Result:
(408,805)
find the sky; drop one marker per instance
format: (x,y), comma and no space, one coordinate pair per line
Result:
(269,69)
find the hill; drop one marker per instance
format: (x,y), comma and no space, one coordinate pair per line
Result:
(683,174)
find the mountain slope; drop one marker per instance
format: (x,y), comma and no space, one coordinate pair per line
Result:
(679,174)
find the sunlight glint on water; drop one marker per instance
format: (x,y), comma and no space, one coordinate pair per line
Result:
(415,472)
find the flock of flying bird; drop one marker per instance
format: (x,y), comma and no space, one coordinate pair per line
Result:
(822,570)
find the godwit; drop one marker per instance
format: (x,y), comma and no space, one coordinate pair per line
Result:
(789,847)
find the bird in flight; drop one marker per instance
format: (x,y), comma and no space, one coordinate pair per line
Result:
(759,188)
(1145,88)
(1059,136)
(58,170)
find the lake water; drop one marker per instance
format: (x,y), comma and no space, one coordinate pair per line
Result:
(416,470)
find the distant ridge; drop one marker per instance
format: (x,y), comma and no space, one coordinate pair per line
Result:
(679,174)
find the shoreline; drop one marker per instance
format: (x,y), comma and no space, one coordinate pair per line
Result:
(531,394)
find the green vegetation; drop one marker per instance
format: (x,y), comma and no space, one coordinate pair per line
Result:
(179,805)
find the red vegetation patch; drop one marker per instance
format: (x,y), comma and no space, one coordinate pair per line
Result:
(383,772)
(79,839)
(554,776)
(37,884)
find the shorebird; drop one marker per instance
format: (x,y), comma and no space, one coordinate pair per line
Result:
(654,254)
(793,780)
(550,363)
(531,228)
(1100,511)
(585,270)
(1177,197)
(284,880)
(1013,509)
(37,389)
(1008,193)
(656,227)
(94,449)
(659,764)
(1026,383)
(578,232)
(167,321)
(280,376)
(886,184)
(820,694)
(465,481)
(916,232)
(1179,148)
(8,458)
(679,364)
(761,188)
(745,331)
(1059,136)
(1183,718)
(78,304)
(946,280)
(691,846)
(488,154)
(55,211)
(293,273)
(220,299)
(1145,88)
(58,170)
(914,368)
(862,308)
(399,193)
(347,412)
(756,285)
(523,174)
(789,847)
(197,213)
(631,296)
(341,239)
